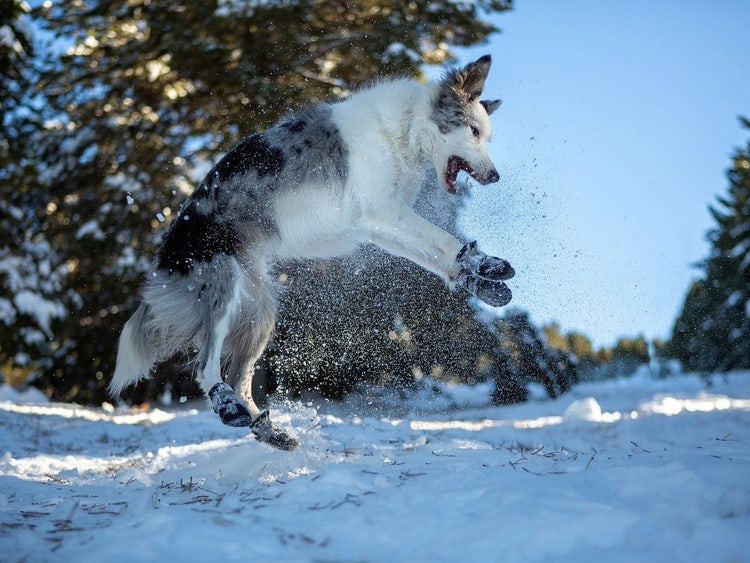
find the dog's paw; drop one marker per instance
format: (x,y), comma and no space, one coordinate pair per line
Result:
(228,406)
(478,264)
(266,432)
(493,292)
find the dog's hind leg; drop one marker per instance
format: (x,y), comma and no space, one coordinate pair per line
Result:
(247,339)
(221,306)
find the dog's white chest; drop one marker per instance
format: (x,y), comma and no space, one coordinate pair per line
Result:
(313,223)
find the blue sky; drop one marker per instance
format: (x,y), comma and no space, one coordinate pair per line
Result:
(615,134)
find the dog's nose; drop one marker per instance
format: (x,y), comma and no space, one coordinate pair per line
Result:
(492,177)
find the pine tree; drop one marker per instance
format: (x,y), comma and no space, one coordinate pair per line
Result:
(713,330)
(31,271)
(529,357)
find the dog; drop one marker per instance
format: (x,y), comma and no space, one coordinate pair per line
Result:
(322,181)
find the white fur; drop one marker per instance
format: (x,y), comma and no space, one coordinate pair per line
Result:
(390,137)
(133,364)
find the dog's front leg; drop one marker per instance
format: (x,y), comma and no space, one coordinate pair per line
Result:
(403,233)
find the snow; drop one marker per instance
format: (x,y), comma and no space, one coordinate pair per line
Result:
(7,311)
(29,278)
(9,393)
(90,228)
(41,309)
(228,8)
(632,469)
(7,37)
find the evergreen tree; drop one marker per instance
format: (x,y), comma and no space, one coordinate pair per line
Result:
(133,102)
(581,347)
(15,51)
(580,350)
(713,330)
(31,271)
(529,358)
(576,343)
(634,349)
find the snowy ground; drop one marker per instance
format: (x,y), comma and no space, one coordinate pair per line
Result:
(628,470)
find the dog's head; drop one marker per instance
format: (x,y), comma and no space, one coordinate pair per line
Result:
(463,122)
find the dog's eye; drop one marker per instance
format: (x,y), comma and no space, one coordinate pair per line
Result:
(474,131)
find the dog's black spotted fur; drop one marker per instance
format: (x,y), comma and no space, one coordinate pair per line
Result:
(195,237)
(228,204)
(254,153)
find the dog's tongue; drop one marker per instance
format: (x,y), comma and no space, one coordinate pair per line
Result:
(452,174)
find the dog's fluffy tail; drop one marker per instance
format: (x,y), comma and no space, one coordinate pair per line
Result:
(135,356)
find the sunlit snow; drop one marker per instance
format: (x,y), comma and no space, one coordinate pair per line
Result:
(631,469)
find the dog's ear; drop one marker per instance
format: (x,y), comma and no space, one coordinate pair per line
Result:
(490,105)
(473,77)
(458,90)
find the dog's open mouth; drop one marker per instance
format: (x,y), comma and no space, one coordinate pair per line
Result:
(455,165)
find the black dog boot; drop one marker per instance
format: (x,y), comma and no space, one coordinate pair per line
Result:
(479,265)
(494,293)
(267,433)
(228,406)
(483,276)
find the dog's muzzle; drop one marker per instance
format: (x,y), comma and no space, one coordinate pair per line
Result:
(491,177)
(457,164)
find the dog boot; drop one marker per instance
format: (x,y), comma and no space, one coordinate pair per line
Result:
(494,293)
(267,433)
(228,406)
(476,262)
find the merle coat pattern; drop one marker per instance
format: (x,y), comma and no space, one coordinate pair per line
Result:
(318,184)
